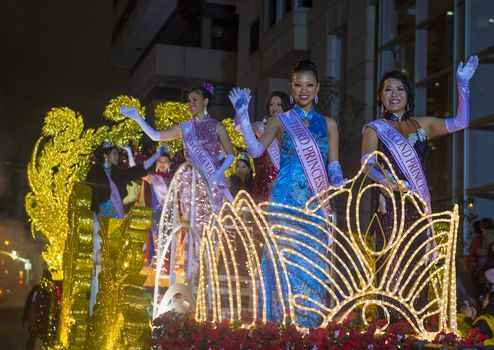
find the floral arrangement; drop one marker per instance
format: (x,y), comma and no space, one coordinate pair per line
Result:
(178,331)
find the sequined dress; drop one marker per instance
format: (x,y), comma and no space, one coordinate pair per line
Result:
(206,136)
(196,216)
(266,173)
(205,131)
(292,188)
(382,206)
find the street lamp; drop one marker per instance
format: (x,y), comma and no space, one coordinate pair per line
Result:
(27,264)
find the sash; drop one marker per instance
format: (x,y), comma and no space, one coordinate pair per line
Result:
(273,150)
(202,160)
(115,196)
(405,156)
(158,191)
(199,156)
(308,153)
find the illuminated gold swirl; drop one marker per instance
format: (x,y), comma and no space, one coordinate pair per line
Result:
(59,160)
(242,229)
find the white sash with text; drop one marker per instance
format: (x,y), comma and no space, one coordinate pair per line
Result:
(308,153)
(200,157)
(273,149)
(405,156)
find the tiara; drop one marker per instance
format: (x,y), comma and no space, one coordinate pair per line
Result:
(208,86)
(243,156)
(107,144)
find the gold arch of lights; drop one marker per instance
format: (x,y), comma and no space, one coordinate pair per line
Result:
(186,209)
(414,259)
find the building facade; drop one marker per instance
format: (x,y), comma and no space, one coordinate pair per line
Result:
(171,45)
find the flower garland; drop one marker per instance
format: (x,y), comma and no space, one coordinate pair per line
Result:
(173,330)
(179,331)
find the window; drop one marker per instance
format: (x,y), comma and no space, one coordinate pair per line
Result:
(440,44)
(405,11)
(287,7)
(224,34)
(276,10)
(440,6)
(417,38)
(481,27)
(254,36)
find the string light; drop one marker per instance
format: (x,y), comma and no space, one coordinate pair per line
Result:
(350,259)
(59,161)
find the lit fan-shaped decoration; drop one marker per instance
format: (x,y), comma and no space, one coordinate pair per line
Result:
(59,160)
(187,208)
(415,258)
(168,114)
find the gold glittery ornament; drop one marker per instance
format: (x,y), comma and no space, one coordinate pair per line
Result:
(120,320)
(77,267)
(235,136)
(125,130)
(59,160)
(168,114)
(112,110)
(238,142)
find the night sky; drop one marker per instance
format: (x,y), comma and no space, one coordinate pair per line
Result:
(54,53)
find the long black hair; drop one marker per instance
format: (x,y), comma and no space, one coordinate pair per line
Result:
(396,74)
(285,101)
(305,66)
(201,90)
(99,153)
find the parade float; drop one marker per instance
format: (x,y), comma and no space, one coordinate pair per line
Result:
(213,259)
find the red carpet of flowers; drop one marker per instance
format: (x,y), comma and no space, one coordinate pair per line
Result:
(180,331)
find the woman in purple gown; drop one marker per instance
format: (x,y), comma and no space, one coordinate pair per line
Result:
(202,136)
(403,139)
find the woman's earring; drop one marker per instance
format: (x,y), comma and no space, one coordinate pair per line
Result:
(291,99)
(382,108)
(316,99)
(407,108)
(205,110)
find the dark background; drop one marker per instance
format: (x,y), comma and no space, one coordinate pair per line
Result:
(52,53)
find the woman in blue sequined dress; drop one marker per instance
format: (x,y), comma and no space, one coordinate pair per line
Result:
(294,186)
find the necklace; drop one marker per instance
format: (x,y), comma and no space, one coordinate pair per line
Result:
(202,117)
(394,117)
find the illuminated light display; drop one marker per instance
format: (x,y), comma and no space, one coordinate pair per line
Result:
(186,209)
(219,255)
(351,279)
